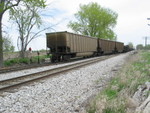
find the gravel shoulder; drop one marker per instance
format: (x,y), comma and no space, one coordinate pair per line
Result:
(64,93)
(9,75)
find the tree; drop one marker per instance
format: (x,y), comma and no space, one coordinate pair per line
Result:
(139,46)
(27,19)
(147,47)
(7,44)
(95,21)
(6,5)
(130,44)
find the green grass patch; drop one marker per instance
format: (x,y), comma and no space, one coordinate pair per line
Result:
(110,93)
(31,60)
(11,62)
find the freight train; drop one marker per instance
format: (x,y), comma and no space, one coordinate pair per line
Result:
(65,45)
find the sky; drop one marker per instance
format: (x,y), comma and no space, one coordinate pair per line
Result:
(132,24)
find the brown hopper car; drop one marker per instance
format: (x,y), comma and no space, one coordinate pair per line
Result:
(66,45)
(108,47)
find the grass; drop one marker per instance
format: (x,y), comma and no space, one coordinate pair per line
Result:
(110,93)
(120,109)
(16,61)
(122,87)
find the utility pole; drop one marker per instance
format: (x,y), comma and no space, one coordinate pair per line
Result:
(146,38)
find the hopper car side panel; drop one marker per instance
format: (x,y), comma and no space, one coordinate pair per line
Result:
(56,42)
(120,46)
(81,45)
(109,47)
(106,46)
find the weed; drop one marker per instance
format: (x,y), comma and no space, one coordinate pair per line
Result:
(24,60)
(110,93)
(92,110)
(119,109)
(136,72)
(10,62)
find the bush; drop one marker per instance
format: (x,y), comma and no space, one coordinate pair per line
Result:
(24,60)
(10,62)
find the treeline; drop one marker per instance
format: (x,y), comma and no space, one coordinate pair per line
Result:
(141,47)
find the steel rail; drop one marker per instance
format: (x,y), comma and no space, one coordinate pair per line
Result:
(8,83)
(18,68)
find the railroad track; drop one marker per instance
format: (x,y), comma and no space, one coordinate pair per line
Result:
(18,68)
(9,83)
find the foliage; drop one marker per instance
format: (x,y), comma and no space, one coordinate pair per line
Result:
(24,60)
(7,45)
(6,5)
(27,19)
(94,20)
(147,47)
(92,110)
(119,109)
(110,93)
(130,44)
(10,62)
(139,46)
(18,61)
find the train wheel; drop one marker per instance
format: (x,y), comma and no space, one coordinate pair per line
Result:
(99,54)
(66,57)
(55,58)
(52,60)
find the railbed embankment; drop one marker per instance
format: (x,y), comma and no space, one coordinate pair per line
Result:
(64,93)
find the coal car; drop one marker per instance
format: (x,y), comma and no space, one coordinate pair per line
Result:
(66,45)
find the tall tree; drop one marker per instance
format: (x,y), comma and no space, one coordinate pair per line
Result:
(27,20)
(94,20)
(6,5)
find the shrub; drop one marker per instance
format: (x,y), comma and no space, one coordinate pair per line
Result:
(10,62)
(24,60)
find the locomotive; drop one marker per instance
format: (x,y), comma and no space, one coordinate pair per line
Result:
(65,45)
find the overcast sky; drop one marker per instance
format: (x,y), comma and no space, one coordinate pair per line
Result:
(132,24)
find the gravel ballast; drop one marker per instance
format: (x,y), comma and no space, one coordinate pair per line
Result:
(9,75)
(64,93)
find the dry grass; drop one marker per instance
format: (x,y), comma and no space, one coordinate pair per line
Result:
(116,98)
